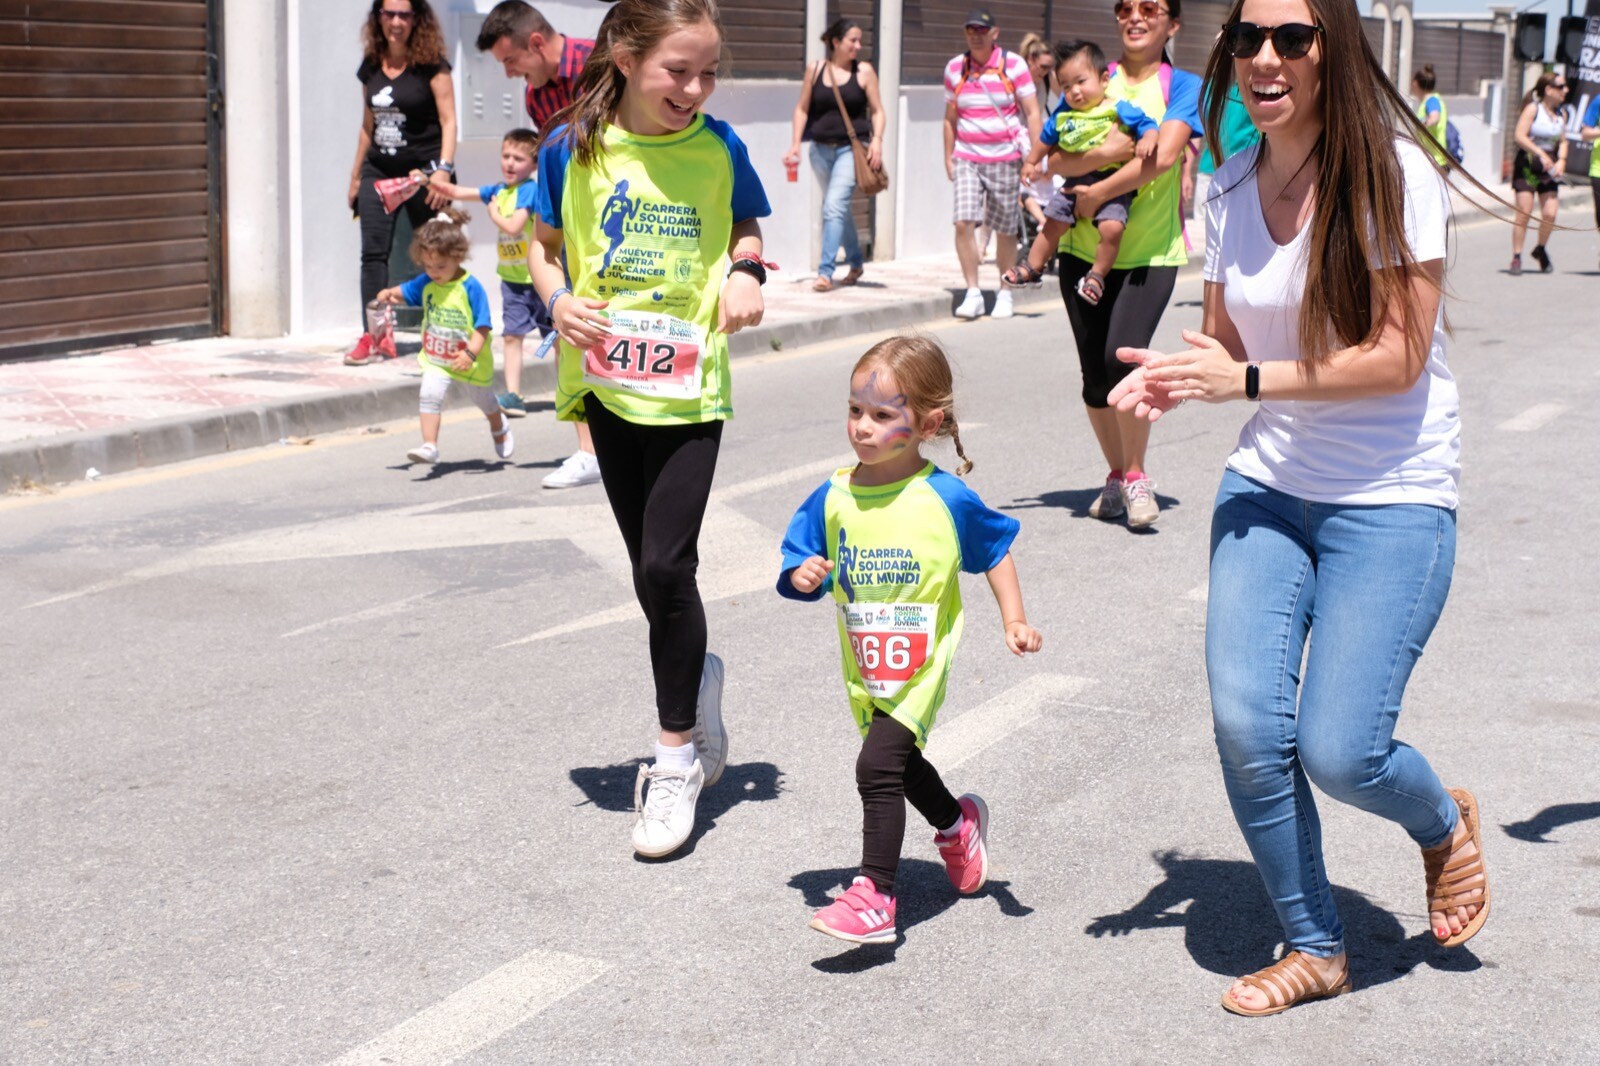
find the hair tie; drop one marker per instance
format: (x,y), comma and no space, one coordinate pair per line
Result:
(444,217)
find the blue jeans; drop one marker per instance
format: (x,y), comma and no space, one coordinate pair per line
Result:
(835,169)
(1370,583)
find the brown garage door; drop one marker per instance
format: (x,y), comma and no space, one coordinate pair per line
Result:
(109,173)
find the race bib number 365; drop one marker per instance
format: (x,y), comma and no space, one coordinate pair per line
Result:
(442,346)
(891,642)
(648,353)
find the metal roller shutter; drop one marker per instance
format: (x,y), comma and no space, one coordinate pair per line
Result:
(932,32)
(109,173)
(765,38)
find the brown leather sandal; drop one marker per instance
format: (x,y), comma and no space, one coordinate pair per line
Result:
(1288,982)
(1452,882)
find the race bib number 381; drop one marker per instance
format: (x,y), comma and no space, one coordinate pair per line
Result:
(891,642)
(648,353)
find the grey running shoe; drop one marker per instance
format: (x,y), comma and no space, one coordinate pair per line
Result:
(1143,510)
(710,734)
(1109,503)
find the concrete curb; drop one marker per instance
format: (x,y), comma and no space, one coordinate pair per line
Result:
(70,456)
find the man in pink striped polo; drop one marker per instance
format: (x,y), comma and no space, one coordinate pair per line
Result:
(991,118)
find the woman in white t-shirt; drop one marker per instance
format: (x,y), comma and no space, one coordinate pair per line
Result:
(1336,518)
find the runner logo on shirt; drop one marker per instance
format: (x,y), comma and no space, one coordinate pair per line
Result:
(859,568)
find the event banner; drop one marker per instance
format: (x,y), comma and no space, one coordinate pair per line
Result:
(1585,81)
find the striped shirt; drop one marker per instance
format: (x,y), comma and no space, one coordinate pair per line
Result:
(542,103)
(985,134)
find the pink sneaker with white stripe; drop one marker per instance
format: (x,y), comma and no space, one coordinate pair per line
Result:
(863,915)
(966,855)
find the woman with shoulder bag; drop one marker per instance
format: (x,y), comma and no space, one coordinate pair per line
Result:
(839,103)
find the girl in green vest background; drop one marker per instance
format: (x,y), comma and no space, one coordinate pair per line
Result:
(1432,113)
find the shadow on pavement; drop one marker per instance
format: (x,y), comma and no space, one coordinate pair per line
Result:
(1231,929)
(1078,500)
(610,788)
(924,892)
(443,469)
(1534,829)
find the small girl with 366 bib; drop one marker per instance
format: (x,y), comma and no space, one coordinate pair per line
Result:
(888,537)
(455,332)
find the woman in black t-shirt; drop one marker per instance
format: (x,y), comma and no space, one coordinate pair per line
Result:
(817,119)
(408,122)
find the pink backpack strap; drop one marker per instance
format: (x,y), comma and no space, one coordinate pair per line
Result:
(1164,75)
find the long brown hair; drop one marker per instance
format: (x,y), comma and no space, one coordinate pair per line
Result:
(425,46)
(634,27)
(920,371)
(1360,210)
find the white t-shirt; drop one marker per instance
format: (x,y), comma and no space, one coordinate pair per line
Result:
(1403,448)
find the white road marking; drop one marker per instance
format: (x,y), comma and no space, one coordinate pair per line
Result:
(1533,418)
(383,610)
(975,730)
(492,1005)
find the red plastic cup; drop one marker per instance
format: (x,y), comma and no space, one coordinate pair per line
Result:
(793,169)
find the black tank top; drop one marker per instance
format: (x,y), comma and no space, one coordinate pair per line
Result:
(823,122)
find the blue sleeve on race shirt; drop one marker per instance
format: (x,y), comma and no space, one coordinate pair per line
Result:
(985,535)
(1431,107)
(553,159)
(749,198)
(478,299)
(411,291)
(528,196)
(486,192)
(1050,133)
(1135,119)
(807,536)
(1184,106)
(1591,117)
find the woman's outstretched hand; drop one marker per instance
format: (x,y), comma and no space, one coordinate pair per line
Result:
(1206,371)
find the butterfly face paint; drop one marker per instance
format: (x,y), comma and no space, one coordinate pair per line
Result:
(881,423)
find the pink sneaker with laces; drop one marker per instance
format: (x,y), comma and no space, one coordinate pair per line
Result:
(966,856)
(863,915)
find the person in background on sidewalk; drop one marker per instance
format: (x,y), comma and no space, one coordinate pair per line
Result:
(408,122)
(990,106)
(817,119)
(455,332)
(1432,113)
(890,538)
(523,41)
(1082,121)
(1589,130)
(1136,291)
(510,210)
(1537,167)
(1333,537)
(644,321)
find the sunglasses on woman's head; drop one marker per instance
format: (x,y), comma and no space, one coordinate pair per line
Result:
(1292,40)
(1148,9)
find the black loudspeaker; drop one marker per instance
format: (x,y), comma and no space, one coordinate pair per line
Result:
(1528,45)
(1570,32)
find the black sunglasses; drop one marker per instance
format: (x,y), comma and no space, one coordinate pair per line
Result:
(1292,40)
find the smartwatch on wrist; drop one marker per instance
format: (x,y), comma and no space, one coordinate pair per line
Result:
(749,264)
(1252,381)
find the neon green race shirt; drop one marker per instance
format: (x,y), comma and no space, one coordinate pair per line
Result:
(451,312)
(897,550)
(646,227)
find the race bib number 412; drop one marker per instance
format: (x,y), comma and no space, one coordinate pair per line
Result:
(649,353)
(890,641)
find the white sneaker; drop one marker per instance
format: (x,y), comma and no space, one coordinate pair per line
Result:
(580,468)
(710,734)
(1002,305)
(424,453)
(505,445)
(665,817)
(972,306)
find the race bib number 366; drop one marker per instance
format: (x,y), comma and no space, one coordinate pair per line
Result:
(648,353)
(891,642)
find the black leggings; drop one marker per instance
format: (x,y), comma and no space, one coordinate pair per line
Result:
(1594,187)
(1126,316)
(889,771)
(377,233)
(658,479)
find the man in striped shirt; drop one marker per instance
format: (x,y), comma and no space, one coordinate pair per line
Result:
(991,118)
(524,42)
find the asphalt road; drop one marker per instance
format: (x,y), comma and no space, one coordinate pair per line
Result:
(311,756)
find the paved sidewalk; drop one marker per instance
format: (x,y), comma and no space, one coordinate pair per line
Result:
(129,408)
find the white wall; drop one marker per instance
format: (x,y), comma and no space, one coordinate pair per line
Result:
(921,189)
